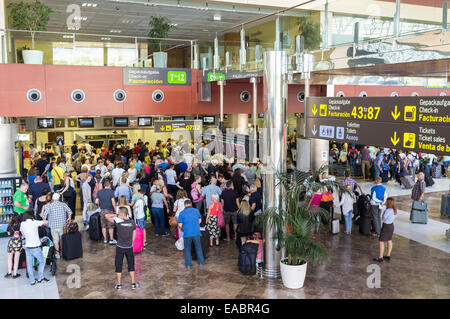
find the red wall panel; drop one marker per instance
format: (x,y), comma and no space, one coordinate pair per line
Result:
(15,81)
(177,100)
(98,84)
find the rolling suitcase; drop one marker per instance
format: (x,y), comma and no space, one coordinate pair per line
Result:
(334,224)
(247,258)
(95,227)
(71,246)
(419,213)
(445,205)
(204,240)
(138,244)
(428,180)
(436,171)
(407,182)
(385,176)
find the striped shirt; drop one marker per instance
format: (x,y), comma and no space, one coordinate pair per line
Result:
(57,214)
(418,189)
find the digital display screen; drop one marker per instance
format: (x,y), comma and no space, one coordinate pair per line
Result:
(85,122)
(209,120)
(145,121)
(46,123)
(178,118)
(261,115)
(121,121)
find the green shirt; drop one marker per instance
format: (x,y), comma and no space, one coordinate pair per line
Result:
(20,197)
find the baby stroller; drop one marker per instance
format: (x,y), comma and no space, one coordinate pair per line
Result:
(48,250)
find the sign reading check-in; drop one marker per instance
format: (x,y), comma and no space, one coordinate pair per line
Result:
(177,126)
(410,123)
(156,76)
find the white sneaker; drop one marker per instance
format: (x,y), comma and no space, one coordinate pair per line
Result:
(105,241)
(113,242)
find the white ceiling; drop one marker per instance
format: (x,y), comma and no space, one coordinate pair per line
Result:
(133,18)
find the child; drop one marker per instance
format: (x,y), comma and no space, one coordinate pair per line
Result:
(14,246)
(139,212)
(91,211)
(387,230)
(346,202)
(126,233)
(258,240)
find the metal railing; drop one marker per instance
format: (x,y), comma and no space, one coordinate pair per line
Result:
(135,49)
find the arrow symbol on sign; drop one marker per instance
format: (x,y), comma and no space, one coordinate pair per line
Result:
(314,110)
(395,140)
(314,131)
(395,114)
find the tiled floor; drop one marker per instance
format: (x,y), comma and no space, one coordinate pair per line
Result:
(417,270)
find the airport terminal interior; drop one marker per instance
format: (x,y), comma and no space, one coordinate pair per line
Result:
(298,108)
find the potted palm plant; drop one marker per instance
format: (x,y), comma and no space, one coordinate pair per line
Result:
(159,28)
(30,16)
(294,223)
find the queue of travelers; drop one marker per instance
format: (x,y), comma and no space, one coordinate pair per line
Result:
(139,183)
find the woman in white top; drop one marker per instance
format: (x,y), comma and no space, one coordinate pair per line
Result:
(346,202)
(132,173)
(178,207)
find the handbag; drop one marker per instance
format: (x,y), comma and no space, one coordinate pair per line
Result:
(220,219)
(327,197)
(173,221)
(70,227)
(180,244)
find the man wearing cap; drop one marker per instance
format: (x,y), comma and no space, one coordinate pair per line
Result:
(57,213)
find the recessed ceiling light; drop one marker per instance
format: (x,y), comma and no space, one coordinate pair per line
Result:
(115,31)
(68,36)
(217,17)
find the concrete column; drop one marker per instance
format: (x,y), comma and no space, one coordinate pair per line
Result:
(275,138)
(239,123)
(254,81)
(221,84)
(8,132)
(319,147)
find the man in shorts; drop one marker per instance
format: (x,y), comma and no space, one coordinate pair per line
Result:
(105,200)
(231,205)
(126,233)
(57,213)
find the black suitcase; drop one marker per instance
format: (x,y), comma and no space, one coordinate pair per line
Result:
(204,240)
(71,246)
(95,227)
(364,225)
(428,180)
(385,176)
(247,258)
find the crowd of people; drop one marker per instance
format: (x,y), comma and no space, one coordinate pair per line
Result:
(371,162)
(182,188)
(178,180)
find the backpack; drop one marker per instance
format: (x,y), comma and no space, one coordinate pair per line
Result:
(195,195)
(247,258)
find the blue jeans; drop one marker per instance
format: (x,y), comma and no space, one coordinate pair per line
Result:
(35,253)
(198,250)
(158,213)
(377,171)
(348,221)
(352,162)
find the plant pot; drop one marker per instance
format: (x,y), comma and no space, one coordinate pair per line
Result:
(293,276)
(160,60)
(32,56)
